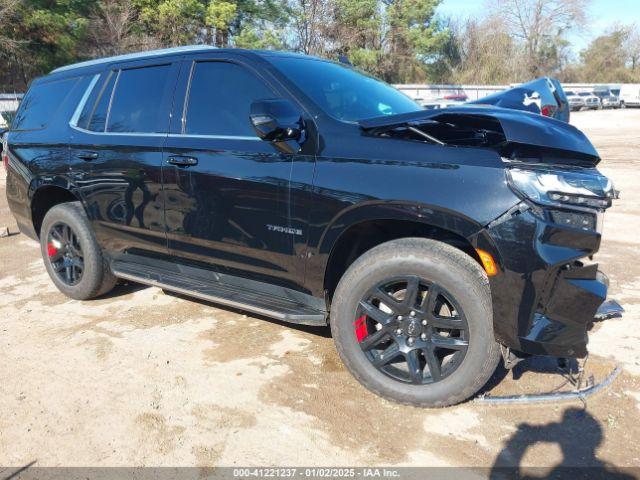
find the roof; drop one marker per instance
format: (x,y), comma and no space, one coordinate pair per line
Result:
(134,56)
(175,50)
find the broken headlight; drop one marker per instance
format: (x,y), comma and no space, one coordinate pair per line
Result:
(586,188)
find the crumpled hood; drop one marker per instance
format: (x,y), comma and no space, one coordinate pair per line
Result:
(518,128)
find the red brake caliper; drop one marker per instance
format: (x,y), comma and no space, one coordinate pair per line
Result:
(361,328)
(51,249)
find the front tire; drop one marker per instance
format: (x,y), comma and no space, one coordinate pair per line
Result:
(412,321)
(72,255)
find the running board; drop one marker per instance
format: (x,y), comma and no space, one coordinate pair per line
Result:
(265,299)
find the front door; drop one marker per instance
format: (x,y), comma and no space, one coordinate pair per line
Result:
(233,203)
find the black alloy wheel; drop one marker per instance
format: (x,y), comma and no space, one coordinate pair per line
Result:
(412,330)
(65,254)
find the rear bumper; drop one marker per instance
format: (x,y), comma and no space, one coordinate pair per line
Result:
(544,298)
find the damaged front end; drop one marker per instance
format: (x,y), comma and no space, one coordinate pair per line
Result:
(547,293)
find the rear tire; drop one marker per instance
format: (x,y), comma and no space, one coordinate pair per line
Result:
(458,283)
(72,255)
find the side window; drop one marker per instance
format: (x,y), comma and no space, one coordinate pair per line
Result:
(41,103)
(220,95)
(138,99)
(94,114)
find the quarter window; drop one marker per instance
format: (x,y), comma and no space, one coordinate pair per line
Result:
(220,96)
(138,100)
(41,103)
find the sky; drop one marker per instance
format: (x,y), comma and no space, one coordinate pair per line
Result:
(602,14)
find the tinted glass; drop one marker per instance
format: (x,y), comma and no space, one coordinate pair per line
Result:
(342,92)
(220,97)
(94,115)
(41,104)
(138,100)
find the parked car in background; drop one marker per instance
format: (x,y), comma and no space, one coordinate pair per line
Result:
(630,95)
(607,98)
(591,102)
(440,103)
(611,101)
(576,102)
(434,243)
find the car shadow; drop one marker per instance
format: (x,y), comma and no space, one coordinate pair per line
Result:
(578,434)
(320,331)
(123,287)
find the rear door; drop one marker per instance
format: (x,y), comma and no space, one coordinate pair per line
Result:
(234,203)
(116,152)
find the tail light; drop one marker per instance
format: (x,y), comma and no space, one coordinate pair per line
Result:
(548,110)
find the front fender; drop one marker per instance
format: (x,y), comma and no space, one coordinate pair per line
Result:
(427,215)
(431,215)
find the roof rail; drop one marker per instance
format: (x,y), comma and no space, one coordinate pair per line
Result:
(133,56)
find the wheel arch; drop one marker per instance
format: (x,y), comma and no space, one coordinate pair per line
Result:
(46,194)
(355,231)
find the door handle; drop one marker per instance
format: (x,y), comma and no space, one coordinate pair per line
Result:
(182,161)
(88,156)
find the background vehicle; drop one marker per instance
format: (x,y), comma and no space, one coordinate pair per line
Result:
(576,102)
(306,191)
(591,102)
(607,98)
(630,95)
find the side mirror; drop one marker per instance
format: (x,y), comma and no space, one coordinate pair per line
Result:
(277,121)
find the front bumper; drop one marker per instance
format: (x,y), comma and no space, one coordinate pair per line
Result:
(544,298)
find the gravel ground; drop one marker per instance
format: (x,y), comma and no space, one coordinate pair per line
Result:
(142,378)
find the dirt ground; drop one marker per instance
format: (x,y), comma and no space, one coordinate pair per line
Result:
(143,378)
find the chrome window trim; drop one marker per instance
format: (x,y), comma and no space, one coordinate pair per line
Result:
(83,101)
(113,92)
(119,134)
(216,137)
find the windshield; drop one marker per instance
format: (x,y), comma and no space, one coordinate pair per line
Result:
(343,92)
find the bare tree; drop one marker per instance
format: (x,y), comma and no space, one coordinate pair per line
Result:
(111,29)
(310,19)
(7,9)
(540,25)
(487,53)
(632,46)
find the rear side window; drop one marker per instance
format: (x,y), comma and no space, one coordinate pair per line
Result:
(138,99)
(220,96)
(94,114)
(42,103)
(99,115)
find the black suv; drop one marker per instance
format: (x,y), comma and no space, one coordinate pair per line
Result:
(303,190)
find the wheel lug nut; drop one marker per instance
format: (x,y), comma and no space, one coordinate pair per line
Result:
(424,322)
(413,314)
(399,331)
(410,341)
(400,317)
(423,336)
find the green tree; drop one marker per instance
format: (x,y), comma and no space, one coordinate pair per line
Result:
(414,39)
(219,16)
(172,22)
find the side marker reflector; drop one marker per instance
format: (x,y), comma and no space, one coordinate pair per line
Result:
(487,262)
